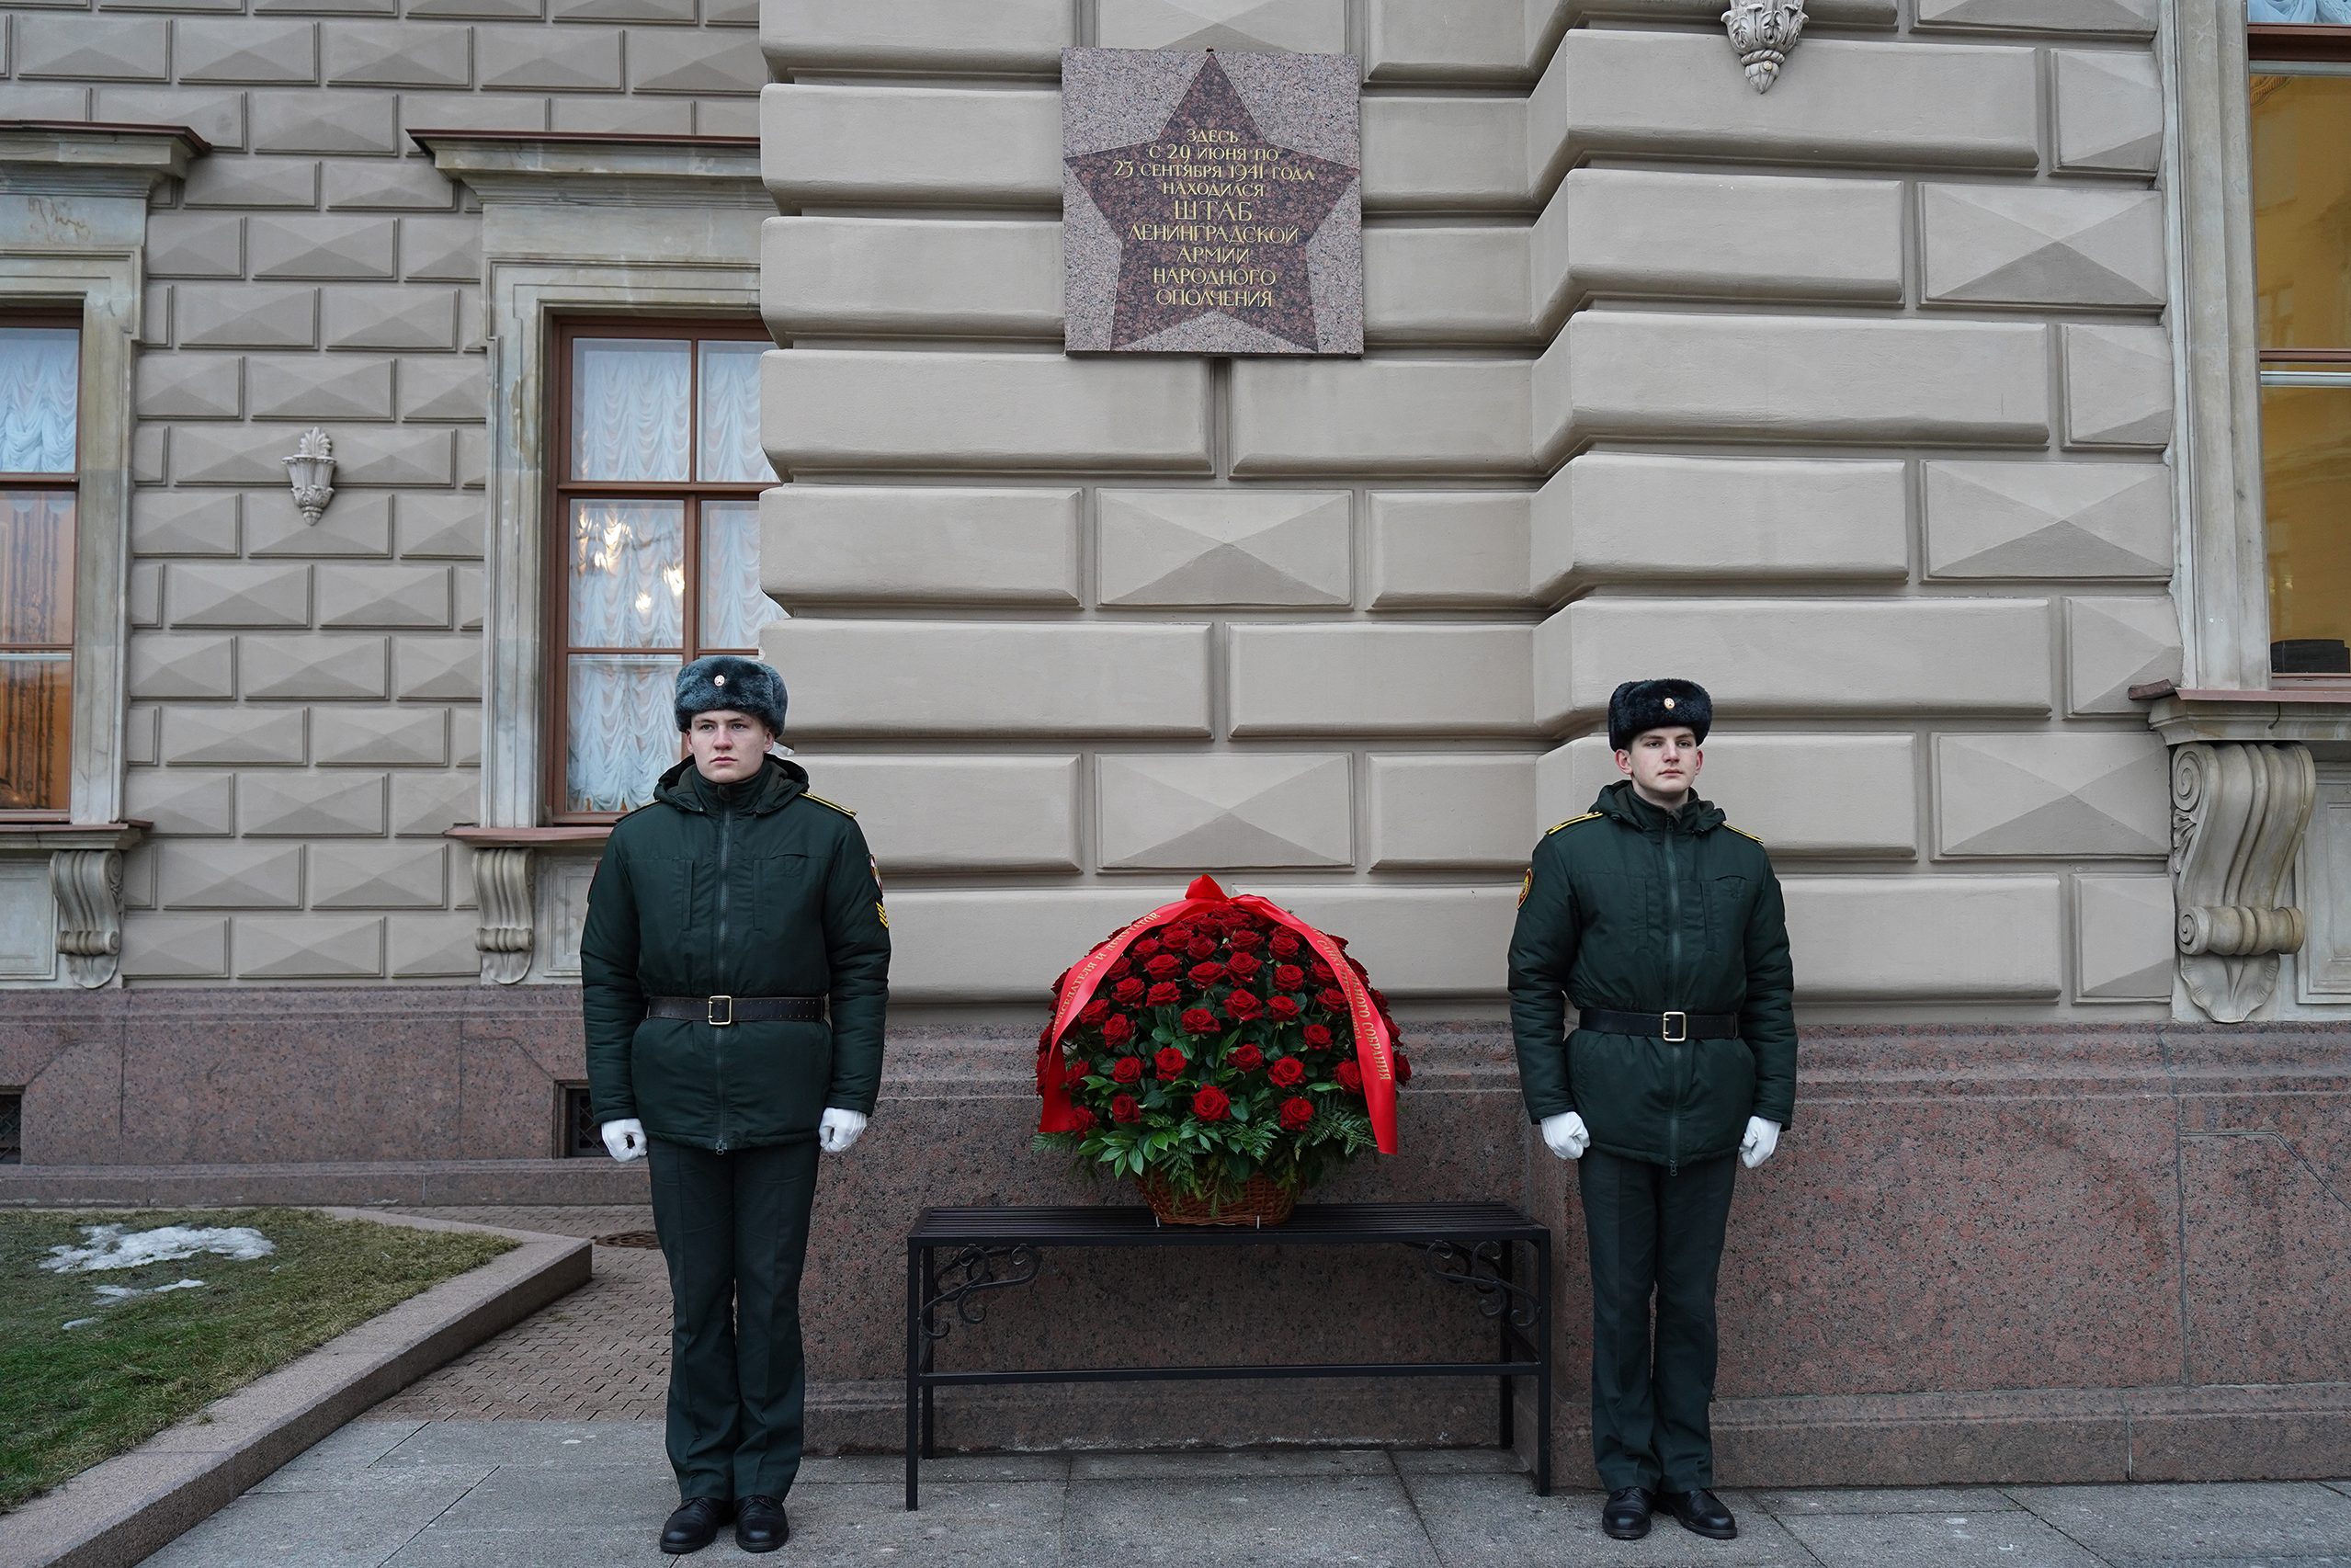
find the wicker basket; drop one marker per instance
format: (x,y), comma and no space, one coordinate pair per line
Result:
(1261,1202)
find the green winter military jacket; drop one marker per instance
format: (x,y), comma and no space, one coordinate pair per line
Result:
(1634,908)
(757,889)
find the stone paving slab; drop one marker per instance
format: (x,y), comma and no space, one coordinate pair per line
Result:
(2183,1523)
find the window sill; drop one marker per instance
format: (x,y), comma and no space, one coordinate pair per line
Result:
(530,837)
(24,837)
(2316,711)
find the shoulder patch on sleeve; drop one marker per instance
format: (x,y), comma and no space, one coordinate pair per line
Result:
(1569,823)
(823,801)
(1743,833)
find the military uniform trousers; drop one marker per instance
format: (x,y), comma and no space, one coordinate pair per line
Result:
(734,1229)
(1652,1232)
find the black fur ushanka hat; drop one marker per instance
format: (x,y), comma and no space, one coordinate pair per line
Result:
(729,680)
(1639,705)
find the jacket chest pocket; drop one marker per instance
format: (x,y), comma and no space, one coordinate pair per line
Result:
(1727,899)
(783,894)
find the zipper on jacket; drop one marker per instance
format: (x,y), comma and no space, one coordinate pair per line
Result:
(718,1047)
(1673,993)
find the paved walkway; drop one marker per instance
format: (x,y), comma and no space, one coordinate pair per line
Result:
(413,1494)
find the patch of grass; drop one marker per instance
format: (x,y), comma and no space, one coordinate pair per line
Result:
(72,1397)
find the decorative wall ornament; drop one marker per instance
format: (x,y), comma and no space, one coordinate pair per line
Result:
(502,886)
(311,470)
(2238,810)
(1764,33)
(88,888)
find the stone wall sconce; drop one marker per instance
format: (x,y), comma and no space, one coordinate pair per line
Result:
(1764,33)
(311,470)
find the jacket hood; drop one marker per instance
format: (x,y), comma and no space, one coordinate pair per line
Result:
(775,786)
(1619,801)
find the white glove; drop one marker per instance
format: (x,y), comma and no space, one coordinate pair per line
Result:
(625,1140)
(839,1130)
(1567,1135)
(1762,1138)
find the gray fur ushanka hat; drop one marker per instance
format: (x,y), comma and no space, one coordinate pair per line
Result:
(729,680)
(1639,705)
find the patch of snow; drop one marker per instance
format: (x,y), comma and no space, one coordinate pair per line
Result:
(109,1247)
(125,1293)
(81,1322)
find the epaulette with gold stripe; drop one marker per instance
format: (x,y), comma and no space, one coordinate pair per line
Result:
(1569,823)
(1743,833)
(823,801)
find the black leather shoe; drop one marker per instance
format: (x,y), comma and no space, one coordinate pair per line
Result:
(759,1525)
(1701,1512)
(1625,1516)
(694,1526)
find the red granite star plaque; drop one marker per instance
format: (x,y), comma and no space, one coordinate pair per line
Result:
(1203,212)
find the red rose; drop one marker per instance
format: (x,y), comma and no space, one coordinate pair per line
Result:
(1163,995)
(1084,1119)
(1093,1012)
(1126,1107)
(1175,936)
(1241,1006)
(1127,992)
(1201,947)
(1207,974)
(1242,941)
(1127,1070)
(1118,971)
(1283,1008)
(1118,1028)
(1317,1038)
(1164,967)
(1210,1104)
(1289,977)
(1144,948)
(1403,1069)
(1284,945)
(1296,1112)
(1170,1062)
(1332,998)
(1350,1078)
(1198,1020)
(1245,965)
(1286,1071)
(1321,972)
(1244,1058)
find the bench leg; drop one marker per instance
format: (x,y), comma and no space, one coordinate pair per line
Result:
(915,1345)
(1509,1385)
(1544,1340)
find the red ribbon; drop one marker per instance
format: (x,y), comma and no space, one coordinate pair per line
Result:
(1373,1049)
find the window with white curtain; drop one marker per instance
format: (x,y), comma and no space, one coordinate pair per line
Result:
(657,515)
(40,366)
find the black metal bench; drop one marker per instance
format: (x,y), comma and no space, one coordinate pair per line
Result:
(954,1257)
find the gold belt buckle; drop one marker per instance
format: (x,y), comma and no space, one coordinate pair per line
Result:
(1677,1028)
(710,1011)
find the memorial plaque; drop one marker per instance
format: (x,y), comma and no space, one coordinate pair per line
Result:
(1210,202)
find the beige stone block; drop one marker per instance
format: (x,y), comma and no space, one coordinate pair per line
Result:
(190,386)
(426,805)
(680,11)
(1380,680)
(916,35)
(2027,519)
(145,606)
(2118,386)
(173,947)
(378,875)
(379,737)
(1448,548)
(1449,809)
(2043,245)
(252,182)
(1804,658)
(726,117)
(225,736)
(1444,152)
(384,454)
(399,54)
(1351,416)
(217,117)
(1645,516)
(1791,378)
(229,875)
(395,596)
(443,669)
(181,802)
(2129,18)
(140,739)
(196,667)
(431,947)
(358,524)
(1460,41)
(825,410)
(1845,795)
(688,59)
(121,49)
(564,60)
(399,315)
(469,583)
(200,594)
(1224,810)
(319,245)
(1267,26)
(443,386)
(951,145)
(829,274)
(442,249)
(183,522)
(321,386)
(241,50)
(957,812)
(246,316)
(335,120)
(1445,285)
(886,544)
(890,677)
(1926,939)
(479,111)
(195,244)
(2113,644)
(329,668)
(310,805)
(466,727)
(2109,112)
(226,454)
(372,184)
(309,947)
(439,526)
(2124,935)
(2052,795)
(1638,232)
(1223,547)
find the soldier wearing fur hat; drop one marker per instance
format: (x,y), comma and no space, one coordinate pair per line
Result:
(734,970)
(1663,926)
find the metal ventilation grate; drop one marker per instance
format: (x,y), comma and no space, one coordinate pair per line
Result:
(12,1126)
(578,1126)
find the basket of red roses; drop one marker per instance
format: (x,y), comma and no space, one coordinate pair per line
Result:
(1224,1054)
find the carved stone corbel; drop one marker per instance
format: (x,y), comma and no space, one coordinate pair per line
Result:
(88,884)
(2238,812)
(502,887)
(1763,33)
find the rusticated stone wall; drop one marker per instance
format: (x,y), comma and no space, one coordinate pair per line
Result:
(1849,401)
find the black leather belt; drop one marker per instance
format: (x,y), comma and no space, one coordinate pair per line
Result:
(1668,1026)
(725,1010)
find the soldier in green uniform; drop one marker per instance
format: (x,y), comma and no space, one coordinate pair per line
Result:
(1663,926)
(734,970)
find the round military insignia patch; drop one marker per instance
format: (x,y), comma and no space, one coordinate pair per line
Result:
(1526,886)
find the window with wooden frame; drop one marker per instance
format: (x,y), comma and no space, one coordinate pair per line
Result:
(2301,200)
(41,373)
(654,489)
